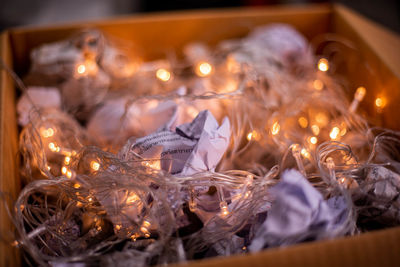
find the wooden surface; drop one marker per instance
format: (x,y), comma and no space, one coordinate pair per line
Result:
(9,178)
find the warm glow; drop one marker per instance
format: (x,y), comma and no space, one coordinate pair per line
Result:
(118,227)
(305,153)
(313,140)
(156,164)
(323,64)
(76,186)
(318,85)
(322,119)
(224,209)
(193,112)
(254,135)
(69,174)
(360,93)
(342,180)
(163,75)
(203,69)
(94,165)
(315,129)
(303,122)
(380,102)
(67,160)
(53,147)
(334,133)
(132,197)
(47,132)
(64,170)
(275,128)
(81,69)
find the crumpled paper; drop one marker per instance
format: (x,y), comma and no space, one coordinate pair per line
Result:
(193,147)
(39,97)
(117,120)
(299,213)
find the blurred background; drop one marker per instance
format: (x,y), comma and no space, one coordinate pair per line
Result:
(38,12)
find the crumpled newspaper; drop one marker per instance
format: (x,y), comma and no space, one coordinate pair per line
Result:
(193,147)
(299,213)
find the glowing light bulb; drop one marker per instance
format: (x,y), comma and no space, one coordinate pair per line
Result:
(342,180)
(69,174)
(64,170)
(334,133)
(313,140)
(118,227)
(94,165)
(67,160)
(322,119)
(254,135)
(76,186)
(275,128)
(323,64)
(163,75)
(203,69)
(305,153)
(144,228)
(315,129)
(224,208)
(53,147)
(303,122)
(81,69)
(46,133)
(318,85)
(380,103)
(360,93)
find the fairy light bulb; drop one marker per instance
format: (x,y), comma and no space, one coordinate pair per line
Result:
(118,227)
(318,85)
(303,122)
(275,128)
(380,103)
(94,165)
(304,152)
(64,170)
(203,69)
(313,140)
(323,64)
(69,173)
(334,133)
(67,160)
(53,147)
(358,97)
(145,228)
(163,75)
(322,119)
(81,69)
(46,133)
(77,186)
(254,135)
(315,129)
(224,208)
(192,201)
(330,164)
(296,152)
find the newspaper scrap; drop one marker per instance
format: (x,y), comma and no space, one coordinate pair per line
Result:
(193,147)
(306,216)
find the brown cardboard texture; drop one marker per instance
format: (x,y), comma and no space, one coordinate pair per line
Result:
(157,33)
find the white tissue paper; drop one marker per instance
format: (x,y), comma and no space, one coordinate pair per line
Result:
(39,97)
(299,213)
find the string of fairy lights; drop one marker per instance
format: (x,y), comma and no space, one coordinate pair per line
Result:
(90,201)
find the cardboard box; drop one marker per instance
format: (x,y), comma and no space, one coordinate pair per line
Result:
(157,33)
